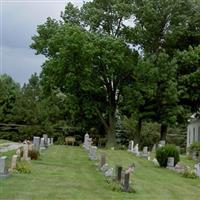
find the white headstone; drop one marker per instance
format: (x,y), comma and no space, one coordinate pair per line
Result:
(136,150)
(85,144)
(51,140)
(197,169)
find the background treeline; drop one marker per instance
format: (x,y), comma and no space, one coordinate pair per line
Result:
(119,69)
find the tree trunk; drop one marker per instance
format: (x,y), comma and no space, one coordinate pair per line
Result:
(138,132)
(163,132)
(111,133)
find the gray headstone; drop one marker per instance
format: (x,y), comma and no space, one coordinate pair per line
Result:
(36,143)
(3,167)
(197,169)
(92,154)
(170,162)
(109,172)
(45,136)
(105,168)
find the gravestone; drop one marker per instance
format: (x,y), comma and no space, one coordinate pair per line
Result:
(42,146)
(145,152)
(36,143)
(25,153)
(102,160)
(170,162)
(85,143)
(136,150)
(109,172)
(197,169)
(14,162)
(126,182)
(89,144)
(130,146)
(105,168)
(118,173)
(45,136)
(92,154)
(3,167)
(51,141)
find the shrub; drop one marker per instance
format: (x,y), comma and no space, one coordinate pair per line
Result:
(188,173)
(33,154)
(164,152)
(23,167)
(195,147)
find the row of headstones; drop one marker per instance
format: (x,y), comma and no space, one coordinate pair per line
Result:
(170,160)
(38,144)
(121,176)
(145,153)
(42,143)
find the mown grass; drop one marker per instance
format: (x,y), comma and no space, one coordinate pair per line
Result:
(66,173)
(3,141)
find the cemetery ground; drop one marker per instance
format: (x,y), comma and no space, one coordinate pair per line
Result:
(65,172)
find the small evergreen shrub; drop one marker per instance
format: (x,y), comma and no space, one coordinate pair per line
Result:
(33,154)
(164,152)
(23,167)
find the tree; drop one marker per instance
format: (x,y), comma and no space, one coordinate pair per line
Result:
(90,67)
(161,28)
(9,90)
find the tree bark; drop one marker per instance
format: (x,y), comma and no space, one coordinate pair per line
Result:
(163,132)
(111,134)
(138,133)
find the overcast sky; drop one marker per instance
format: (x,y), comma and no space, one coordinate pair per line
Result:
(19,20)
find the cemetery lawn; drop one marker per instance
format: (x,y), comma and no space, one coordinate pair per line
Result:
(65,173)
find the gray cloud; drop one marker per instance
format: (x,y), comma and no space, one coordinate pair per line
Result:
(19,23)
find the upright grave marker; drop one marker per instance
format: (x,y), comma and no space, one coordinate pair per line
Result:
(3,167)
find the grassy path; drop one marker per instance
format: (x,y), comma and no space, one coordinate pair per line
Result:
(66,173)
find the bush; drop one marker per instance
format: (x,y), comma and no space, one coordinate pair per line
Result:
(195,147)
(23,167)
(164,152)
(33,154)
(188,173)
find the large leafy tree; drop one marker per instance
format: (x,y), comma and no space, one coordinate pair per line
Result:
(87,60)
(161,28)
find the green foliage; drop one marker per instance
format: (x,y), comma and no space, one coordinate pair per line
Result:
(189,173)
(33,154)
(195,147)
(23,167)
(164,152)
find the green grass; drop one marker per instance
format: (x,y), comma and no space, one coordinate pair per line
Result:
(66,173)
(3,141)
